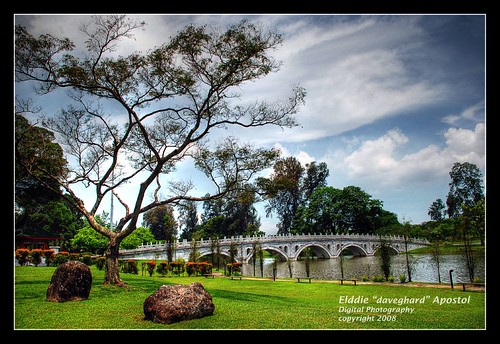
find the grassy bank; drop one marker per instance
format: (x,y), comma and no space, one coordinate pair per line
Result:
(451,248)
(250,304)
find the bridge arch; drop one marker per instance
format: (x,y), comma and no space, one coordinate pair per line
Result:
(281,252)
(356,249)
(393,249)
(319,250)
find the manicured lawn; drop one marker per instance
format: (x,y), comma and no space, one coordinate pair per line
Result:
(249,304)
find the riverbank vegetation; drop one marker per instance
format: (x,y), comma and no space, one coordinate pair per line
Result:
(253,303)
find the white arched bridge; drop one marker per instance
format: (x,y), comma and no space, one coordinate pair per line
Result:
(288,247)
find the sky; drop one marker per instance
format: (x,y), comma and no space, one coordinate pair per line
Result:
(393,101)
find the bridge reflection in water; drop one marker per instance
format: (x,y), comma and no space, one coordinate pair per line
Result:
(285,247)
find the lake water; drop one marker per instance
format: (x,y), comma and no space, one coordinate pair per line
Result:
(423,268)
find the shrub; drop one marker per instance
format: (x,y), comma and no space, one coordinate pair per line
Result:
(22,256)
(402,278)
(87,259)
(391,279)
(151,267)
(49,256)
(205,268)
(61,257)
(129,267)
(378,278)
(177,267)
(365,278)
(233,268)
(36,256)
(162,268)
(100,262)
(190,268)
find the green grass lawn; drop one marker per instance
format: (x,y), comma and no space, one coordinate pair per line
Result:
(247,304)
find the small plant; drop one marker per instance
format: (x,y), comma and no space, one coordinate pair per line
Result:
(87,259)
(476,280)
(61,257)
(49,256)
(151,267)
(365,278)
(162,268)
(177,267)
(22,256)
(402,278)
(378,278)
(36,256)
(391,279)
(130,267)
(100,262)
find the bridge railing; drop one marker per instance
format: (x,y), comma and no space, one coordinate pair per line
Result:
(281,237)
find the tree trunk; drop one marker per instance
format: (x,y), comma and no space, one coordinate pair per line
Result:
(112,269)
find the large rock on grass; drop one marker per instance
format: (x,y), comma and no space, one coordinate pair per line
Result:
(71,281)
(176,303)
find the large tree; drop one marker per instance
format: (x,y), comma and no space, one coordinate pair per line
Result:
(437,210)
(283,191)
(40,211)
(466,188)
(161,222)
(131,119)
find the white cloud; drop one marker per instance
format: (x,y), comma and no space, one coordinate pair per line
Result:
(467,145)
(377,161)
(475,112)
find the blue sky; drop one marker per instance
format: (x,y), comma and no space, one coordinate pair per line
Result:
(392,100)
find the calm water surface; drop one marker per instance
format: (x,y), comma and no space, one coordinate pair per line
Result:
(424,269)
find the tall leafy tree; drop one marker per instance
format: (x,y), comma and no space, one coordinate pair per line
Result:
(155,108)
(348,210)
(39,161)
(188,219)
(437,210)
(232,215)
(466,188)
(161,222)
(283,191)
(315,177)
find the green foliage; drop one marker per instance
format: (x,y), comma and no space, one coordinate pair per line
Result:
(385,258)
(150,265)
(129,266)
(177,267)
(61,257)
(22,256)
(332,210)
(466,188)
(162,268)
(160,220)
(100,262)
(36,256)
(49,256)
(86,259)
(88,239)
(141,235)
